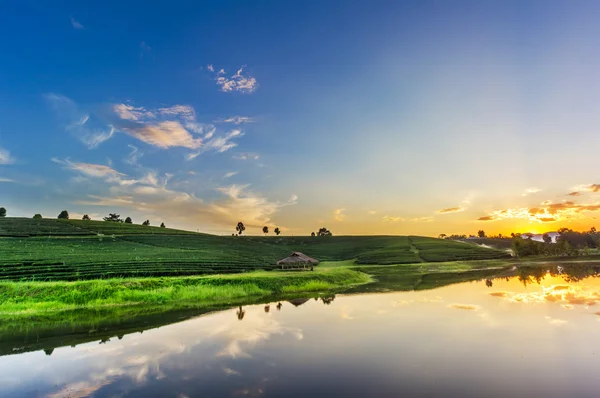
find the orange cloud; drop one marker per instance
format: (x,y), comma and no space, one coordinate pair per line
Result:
(546,213)
(451,210)
(574,193)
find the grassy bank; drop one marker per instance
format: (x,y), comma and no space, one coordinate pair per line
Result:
(39,297)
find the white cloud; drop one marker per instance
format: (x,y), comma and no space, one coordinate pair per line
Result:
(338,214)
(531,190)
(210,67)
(5,157)
(79,123)
(237,82)
(239,120)
(184,111)
(293,199)
(219,144)
(2,179)
(246,156)
(421,219)
(76,24)
(134,156)
(129,112)
(230,174)
(105,173)
(163,135)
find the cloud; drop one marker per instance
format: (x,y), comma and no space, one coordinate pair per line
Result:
(293,199)
(2,179)
(134,156)
(129,112)
(566,210)
(82,125)
(210,67)
(238,120)
(105,173)
(246,156)
(567,295)
(5,157)
(238,82)
(338,214)
(230,174)
(467,307)
(145,48)
(451,210)
(372,212)
(532,190)
(184,111)
(76,24)
(391,219)
(574,193)
(421,219)
(218,144)
(164,135)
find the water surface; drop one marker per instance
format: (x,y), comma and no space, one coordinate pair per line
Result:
(525,335)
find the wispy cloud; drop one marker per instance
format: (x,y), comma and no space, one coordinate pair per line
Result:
(145,49)
(421,219)
(246,156)
(5,157)
(391,219)
(451,210)
(566,210)
(238,82)
(134,156)
(79,123)
(163,135)
(238,120)
(184,111)
(219,144)
(129,112)
(574,193)
(230,174)
(2,179)
(106,173)
(587,187)
(531,190)
(76,24)
(338,214)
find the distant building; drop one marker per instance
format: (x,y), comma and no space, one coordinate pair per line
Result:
(297,260)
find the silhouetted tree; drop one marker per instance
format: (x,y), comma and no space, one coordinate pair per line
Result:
(37,217)
(277,231)
(481,233)
(265,230)
(2,212)
(324,232)
(442,236)
(240,228)
(162,225)
(86,217)
(64,215)
(547,238)
(113,217)
(128,220)
(146,223)
(312,234)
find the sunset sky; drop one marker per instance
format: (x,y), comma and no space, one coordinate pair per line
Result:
(364,117)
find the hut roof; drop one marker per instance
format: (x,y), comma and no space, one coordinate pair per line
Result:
(297,257)
(298,302)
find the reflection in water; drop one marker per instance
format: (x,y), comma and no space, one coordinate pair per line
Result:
(419,343)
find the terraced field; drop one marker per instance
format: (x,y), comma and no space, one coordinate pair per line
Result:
(50,250)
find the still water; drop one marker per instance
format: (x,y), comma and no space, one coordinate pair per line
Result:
(521,336)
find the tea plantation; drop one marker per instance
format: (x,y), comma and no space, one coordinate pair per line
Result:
(48,250)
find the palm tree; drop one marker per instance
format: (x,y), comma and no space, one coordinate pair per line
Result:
(265,230)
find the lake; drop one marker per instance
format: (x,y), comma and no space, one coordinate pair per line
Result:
(522,333)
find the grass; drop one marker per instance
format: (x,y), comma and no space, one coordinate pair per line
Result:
(35,297)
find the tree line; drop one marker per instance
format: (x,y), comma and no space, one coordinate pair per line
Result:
(240,228)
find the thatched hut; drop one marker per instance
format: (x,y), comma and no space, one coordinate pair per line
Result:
(297,260)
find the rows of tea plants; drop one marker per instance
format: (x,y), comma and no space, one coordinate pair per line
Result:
(117,228)
(436,250)
(23,227)
(93,257)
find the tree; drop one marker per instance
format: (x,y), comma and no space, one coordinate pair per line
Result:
(442,236)
(64,215)
(312,234)
(240,228)
(146,223)
(265,230)
(86,217)
(481,233)
(277,231)
(324,232)
(37,217)
(128,220)
(2,212)
(113,217)
(547,238)
(162,225)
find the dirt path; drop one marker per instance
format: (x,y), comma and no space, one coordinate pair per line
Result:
(414,249)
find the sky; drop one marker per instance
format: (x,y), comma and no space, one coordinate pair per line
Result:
(419,117)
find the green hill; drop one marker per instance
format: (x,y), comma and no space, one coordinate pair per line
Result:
(73,250)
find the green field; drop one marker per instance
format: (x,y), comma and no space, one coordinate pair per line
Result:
(51,250)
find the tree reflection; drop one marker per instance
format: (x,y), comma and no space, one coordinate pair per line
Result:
(240,313)
(328,299)
(267,308)
(489,283)
(279,305)
(569,272)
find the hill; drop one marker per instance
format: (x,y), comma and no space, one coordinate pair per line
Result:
(76,250)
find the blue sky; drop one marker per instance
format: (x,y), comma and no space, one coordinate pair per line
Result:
(365,117)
